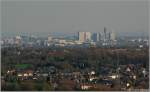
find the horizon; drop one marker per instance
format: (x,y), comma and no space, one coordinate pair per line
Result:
(68,17)
(65,34)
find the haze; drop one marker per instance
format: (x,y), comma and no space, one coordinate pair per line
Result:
(123,17)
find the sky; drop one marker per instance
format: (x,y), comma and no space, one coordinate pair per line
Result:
(124,17)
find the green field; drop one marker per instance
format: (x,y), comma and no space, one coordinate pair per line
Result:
(23,66)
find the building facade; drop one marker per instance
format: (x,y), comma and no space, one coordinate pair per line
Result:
(84,36)
(96,37)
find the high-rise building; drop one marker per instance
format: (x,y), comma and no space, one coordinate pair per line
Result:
(87,36)
(105,34)
(49,38)
(112,36)
(109,36)
(96,37)
(84,36)
(81,36)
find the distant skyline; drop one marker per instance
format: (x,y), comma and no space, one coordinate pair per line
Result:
(42,16)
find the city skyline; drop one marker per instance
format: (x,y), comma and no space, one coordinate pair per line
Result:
(74,45)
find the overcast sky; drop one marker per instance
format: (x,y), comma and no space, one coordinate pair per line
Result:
(72,16)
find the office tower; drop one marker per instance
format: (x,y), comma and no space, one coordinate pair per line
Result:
(112,36)
(49,38)
(84,36)
(96,37)
(87,36)
(81,36)
(105,34)
(109,36)
(99,37)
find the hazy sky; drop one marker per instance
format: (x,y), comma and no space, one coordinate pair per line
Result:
(73,16)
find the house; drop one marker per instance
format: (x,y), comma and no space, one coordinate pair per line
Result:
(34,78)
(92,73)
(93,78)
(11,71)
(86,86)
(20,75)
(128,69)
(114,76)
(25,73)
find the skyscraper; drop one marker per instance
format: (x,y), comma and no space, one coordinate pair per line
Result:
(84,36)
(112,36)
(96,37)
(109,36)
(49,38)
(81,36)
(87,36)
(105,34)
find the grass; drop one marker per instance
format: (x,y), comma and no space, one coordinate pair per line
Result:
(22,65)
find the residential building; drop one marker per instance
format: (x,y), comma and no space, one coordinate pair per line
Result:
(84,36)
